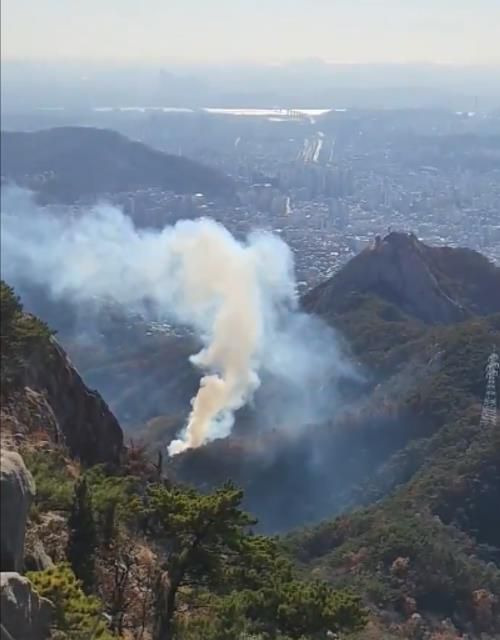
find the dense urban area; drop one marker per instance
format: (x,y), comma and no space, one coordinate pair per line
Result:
(328,181)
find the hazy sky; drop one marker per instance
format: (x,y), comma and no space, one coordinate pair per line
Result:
(456,31)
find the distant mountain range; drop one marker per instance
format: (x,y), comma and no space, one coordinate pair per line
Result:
(68,163)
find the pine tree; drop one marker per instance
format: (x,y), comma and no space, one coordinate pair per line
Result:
(75,616)
(82,539)
(212,551)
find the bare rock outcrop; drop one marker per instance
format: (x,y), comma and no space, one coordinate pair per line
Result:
(17,490)
(89,428)
(25,615)
(54,399)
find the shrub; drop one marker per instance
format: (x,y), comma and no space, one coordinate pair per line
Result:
(115,501)
(54,484)
(76,616)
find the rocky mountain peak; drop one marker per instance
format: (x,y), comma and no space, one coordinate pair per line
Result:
(436,285)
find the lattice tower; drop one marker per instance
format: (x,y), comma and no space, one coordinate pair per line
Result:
(489,413)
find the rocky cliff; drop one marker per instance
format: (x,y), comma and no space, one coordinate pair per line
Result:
(42,395)
(55,399)
(42,391)
(89,429)
(17,490)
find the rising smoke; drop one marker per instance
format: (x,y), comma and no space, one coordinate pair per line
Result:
(239,297)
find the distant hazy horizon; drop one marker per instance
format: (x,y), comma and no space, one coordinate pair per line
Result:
(109,64)
(263,32)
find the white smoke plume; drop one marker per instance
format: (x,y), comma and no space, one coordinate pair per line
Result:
(233,294)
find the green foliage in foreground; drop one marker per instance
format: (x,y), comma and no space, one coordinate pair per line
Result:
(21,335)
(76,616)
(213,553)
(213,579)
(115,501)
(54,484)
(291,610)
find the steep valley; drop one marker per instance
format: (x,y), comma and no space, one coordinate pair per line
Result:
(393,492)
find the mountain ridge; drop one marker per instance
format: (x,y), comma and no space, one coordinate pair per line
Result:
(69,163)
(434,284)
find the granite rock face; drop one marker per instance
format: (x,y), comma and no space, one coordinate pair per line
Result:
(54,399)
(17,490)
(25,615)
(82,420)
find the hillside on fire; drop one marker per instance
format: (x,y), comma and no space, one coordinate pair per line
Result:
(346,486)
(111,546)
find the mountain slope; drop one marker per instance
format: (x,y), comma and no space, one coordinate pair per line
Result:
(415,477)
(408,368)
(43,392)
(425,546)
(433,284)
(117,550)
(68,163)
(431,546)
